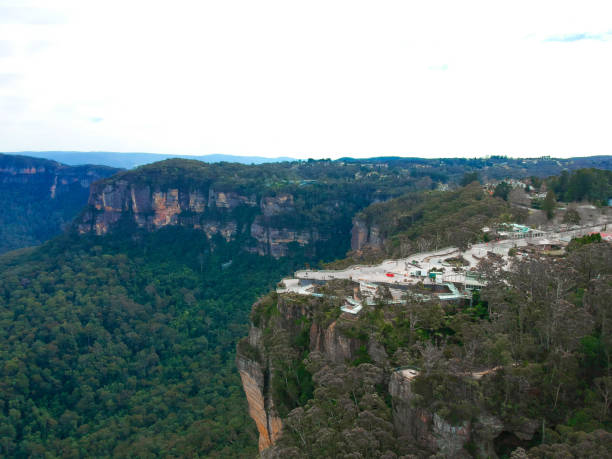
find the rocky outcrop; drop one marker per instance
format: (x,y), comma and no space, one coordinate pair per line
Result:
(281,204)
(331,343)
(276,241)
(365,235)
(409,421)
(255,371)
(426,429)
(229,199)
(254,368)
(431,432)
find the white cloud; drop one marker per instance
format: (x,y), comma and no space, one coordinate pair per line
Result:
(319,78)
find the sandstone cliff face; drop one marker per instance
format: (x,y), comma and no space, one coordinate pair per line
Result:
(331,343)
(408,421)
(255,374)
(268,424)
(426,429)
(214,211)
(364,235)
(280,204)
(275,241)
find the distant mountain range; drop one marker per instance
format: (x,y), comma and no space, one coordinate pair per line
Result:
(131,160)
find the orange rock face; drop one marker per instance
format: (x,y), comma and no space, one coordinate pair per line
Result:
(166,206)
(268,425)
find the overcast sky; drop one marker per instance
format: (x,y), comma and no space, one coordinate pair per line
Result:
(307,79)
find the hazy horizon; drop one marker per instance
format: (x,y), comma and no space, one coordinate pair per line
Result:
(290,158)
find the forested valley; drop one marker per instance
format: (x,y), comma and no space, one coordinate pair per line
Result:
(124,346)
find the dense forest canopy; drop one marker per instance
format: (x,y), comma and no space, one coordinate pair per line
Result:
(124,346)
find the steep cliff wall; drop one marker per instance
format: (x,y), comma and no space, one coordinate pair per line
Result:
(261,409)
(331,343)
(223,212)
(38,197)
(48,179)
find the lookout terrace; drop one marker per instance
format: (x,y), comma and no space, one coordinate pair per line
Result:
(448,274)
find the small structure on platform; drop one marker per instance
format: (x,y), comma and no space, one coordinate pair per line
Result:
(351,305)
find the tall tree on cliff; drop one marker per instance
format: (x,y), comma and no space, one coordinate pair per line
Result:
(549,204)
